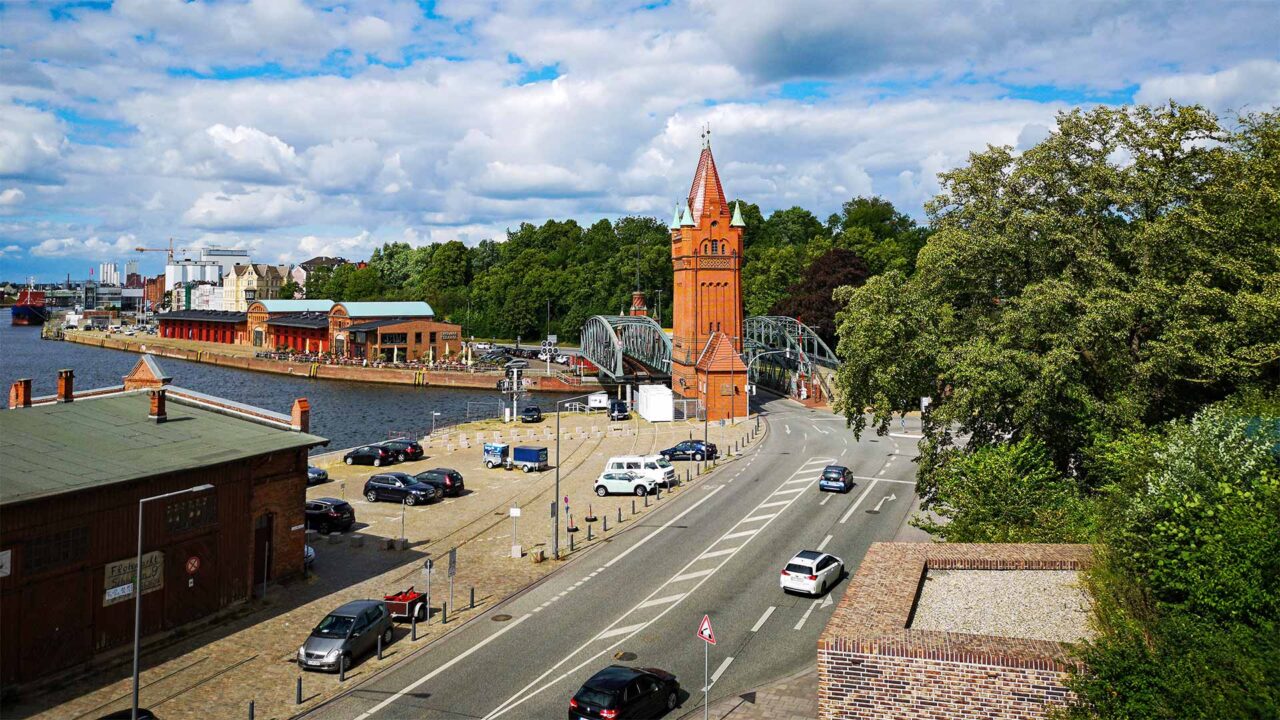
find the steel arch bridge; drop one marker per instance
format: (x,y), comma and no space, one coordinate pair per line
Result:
(804,354)
(616,343)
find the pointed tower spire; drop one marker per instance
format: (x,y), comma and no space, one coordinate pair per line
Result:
(706,194)
(675,219)
(737,216)
(686,220)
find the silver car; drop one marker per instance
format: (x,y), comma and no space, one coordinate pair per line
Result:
(345,634)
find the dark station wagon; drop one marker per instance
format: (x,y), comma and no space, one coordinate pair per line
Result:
(619,692)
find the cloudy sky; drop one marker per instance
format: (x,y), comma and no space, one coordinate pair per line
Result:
(301,128)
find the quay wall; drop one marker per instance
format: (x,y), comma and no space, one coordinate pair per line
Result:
(353,373)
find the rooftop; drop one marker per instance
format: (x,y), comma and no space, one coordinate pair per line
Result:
(296,306)
(303,320)
(1035,604)
(58,448)
(204,316)
(388,309)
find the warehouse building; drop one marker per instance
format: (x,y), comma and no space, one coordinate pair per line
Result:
(79,465)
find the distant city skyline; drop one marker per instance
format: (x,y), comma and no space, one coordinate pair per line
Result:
(297,129)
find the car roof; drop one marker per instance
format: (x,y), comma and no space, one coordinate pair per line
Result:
(837,468)
(614,677)
(397,475)
(354,607)
(328,500)
(808,555)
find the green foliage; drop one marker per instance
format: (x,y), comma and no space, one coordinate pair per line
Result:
(1124,271)
(1008,494)
(811,300)
(885,238)
(289,288)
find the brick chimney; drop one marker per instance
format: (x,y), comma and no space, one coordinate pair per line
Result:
(301,415)
(638,305)
(20,394)
(66,385)
(157,411)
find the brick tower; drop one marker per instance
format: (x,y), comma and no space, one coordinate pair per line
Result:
(706,254)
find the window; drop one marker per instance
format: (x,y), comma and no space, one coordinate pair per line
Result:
(715,247)
(56,550)
(417,338)
(191,513)
(633,466)
(433,338)
(394,338)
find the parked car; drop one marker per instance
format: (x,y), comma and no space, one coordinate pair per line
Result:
(618,410)
(531,414)
(691,450)
(346,634)
(374,455)
(308,556)
(811,572)
(654,467)
(316,475)
(836,477)
(327,514)
(447,481)
(398,487)
(619,692)
(403,449)
(624,483)
(127,714)
(482,346)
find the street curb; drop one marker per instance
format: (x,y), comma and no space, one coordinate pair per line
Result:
(568,562)
(808,670)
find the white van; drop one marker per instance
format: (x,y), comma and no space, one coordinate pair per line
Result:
(652,467)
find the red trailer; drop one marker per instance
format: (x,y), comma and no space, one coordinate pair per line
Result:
(406,604)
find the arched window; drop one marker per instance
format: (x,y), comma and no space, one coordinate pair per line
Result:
(715,247)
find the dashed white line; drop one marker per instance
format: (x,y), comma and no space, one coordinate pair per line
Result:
(822,545)
(807,613)
(788,492)
(619,631)
(732,536)
(826,500)
(759,517)
(716,553)
(760,623)
(662,600)
(720,670)
(665,525)
(773,504)
(691,576)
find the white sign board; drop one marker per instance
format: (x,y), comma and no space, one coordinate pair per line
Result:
(925,402)
(515,512)
(118,577)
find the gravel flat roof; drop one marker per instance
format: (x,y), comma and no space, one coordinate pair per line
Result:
(1033,604)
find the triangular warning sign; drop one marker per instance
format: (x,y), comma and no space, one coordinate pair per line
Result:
(705,632)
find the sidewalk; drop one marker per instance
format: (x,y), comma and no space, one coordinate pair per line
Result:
(786,699)
(250,655)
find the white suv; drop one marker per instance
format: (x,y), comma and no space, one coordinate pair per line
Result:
(625,483)
(811,572)
(655,467)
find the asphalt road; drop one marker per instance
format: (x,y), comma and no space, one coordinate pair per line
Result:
(715,549)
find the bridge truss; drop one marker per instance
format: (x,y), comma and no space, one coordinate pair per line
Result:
(809,357)
(618,343)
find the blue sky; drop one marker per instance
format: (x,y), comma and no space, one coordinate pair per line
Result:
(299,128)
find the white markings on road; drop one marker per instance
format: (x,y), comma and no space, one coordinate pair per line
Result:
(880,479)
(801,480)
(906,435)
(733,536)
(759,517)
(822,545)
(620,631)
(716,553)
(788,492)
(665,525)
(693,575)
(661,601)
(849,514)
(720,670)
(788,427)
(459,658)
(826,500)
(763,618)
(774,504)
(807,613)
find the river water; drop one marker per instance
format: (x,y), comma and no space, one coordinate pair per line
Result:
(348,413)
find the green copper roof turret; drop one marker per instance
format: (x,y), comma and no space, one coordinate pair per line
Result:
(687,220)
(675,219)
(737,216)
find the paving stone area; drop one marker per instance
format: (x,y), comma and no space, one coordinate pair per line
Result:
(251,654)
(1035,604)
(787,699)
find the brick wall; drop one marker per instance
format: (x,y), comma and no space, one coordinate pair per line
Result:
(280,488)
(871,664)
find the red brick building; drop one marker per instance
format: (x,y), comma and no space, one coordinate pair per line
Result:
(706,253)
(400,340)
(212,326)
(79,463)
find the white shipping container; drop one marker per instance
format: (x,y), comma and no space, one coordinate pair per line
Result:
(655,403)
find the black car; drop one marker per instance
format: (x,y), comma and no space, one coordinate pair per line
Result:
(531,414)
(618,692)
(316,475)
(691,450)
(374,455)
(447,481)
(618,410)
(327,514)
(398,487)
(403,449)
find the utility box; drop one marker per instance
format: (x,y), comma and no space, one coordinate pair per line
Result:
(598,401)
(655,403)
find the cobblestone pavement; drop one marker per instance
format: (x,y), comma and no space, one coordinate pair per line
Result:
(249,656)
(786,699)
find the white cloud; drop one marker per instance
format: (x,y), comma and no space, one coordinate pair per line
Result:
(12,196)
(31,143)
(344,164)
(1253,85)
(254,209)
(93,248)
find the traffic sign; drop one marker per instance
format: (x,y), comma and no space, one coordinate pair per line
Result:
(453,562)
(705,632)
(193,565)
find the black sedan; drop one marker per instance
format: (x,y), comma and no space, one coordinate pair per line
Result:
(374,455)
(691,450)
(398,487)
(403,449)
(447,481)
(316,475)
(619,692)
(327,514)
(531,414)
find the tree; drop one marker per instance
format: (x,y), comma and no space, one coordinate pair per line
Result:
(1122,272)
(290,289)
(811,300)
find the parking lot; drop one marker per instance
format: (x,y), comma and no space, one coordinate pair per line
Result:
(250,656)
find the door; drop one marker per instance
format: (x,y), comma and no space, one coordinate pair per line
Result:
(395,490)
(263,528)
(191,581)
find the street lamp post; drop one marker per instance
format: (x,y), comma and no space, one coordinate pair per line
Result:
(137,586)
(555,512)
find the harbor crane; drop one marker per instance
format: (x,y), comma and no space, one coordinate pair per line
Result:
(170,250)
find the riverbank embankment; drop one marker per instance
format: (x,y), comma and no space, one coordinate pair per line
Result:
(244,359)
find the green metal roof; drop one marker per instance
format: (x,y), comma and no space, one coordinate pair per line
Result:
(388,309)
(275,306)
(60,448)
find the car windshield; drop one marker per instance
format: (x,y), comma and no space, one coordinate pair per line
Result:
(599,698)
(799,569)
(334,626)
(832,473)
(663,462)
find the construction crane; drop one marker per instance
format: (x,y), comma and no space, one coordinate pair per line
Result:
(170,250)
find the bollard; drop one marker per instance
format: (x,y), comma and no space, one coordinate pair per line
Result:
(646,499)
(686,474)
(342,668)
(414,625)
(657,489)
(619,516)
(250,710)
(633,507)
(297,699)
(606,523)
(379,646)
(570,543)
(444,607)
(473,599)
(589,535)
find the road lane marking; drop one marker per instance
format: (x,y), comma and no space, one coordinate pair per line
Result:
(807,613)
(665,525)
(861,497)
(662,600)
(693,575)
(732,536)
(906,435)
(788,427)
(826,500)
(720,670)
(801,480)
(788,492)
(760,517)
(459,658)
(824,542)
(716,553)
(619,631)
(760,623)
(880,479)
(774,504)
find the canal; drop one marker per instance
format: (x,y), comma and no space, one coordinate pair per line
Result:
(348,413)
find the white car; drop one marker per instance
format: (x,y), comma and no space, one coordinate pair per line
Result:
(811,572)
(624,483)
